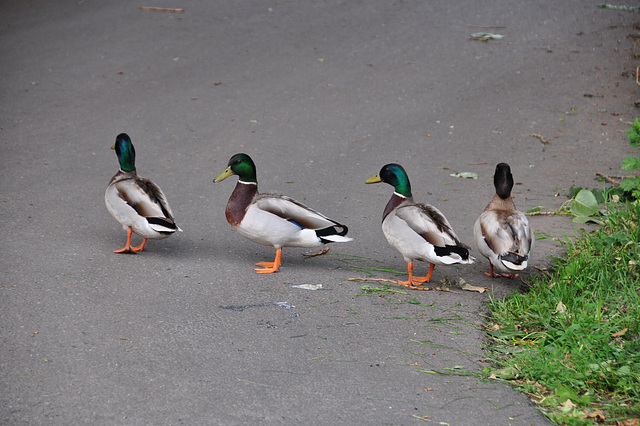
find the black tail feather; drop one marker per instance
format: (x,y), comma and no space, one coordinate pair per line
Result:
(463,252)
(340,230)
(332,230)
(163,221)
(514,258)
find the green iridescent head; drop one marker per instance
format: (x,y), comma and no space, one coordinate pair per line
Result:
(394,175)
(241,165)
(125,152)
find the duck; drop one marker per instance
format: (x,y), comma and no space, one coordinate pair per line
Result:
(138,204)
(502,233)
(418,231)
(272,219)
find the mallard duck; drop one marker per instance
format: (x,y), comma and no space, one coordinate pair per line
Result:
(501,232)
(138,204)
(418,231)
(274,220)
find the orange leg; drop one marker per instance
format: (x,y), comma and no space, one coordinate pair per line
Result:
(128,248)
(140,247)
(270,267)
(491,274)
(416,281)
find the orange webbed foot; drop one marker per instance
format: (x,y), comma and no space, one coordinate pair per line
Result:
(410,284)
(128,248)
(416,281)
(266,269)
(492,274)
(270,267)
(140,247)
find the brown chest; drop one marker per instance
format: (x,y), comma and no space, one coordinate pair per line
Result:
(240,199)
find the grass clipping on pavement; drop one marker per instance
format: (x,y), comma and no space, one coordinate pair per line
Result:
(572,343)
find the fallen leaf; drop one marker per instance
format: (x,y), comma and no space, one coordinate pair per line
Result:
(584,204)
(629,422)
(598,415)
(308,286)
(319,253)
(567,406)
(465,175)
(468,287)
(507,373)
(619,333)
(560,308)
(486,36)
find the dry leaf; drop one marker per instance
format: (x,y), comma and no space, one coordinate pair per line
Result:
(560,308)
(567,406)
(628,422)
(619,333)
(308,286)
(597,415)
(465,175)
(319,253)
(468,287)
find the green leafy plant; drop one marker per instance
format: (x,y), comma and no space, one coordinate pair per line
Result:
(632,184)
(583,206)
(573,340)
(633,133)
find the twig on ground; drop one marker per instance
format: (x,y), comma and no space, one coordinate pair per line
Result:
(544,213)
(498,27)
(608,178)
(373,279)
(613,179)
(162,9)
(542,138)
(319,253)
(384,280)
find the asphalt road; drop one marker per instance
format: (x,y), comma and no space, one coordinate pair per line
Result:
(321,94)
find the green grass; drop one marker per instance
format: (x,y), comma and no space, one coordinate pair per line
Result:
(576,334)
